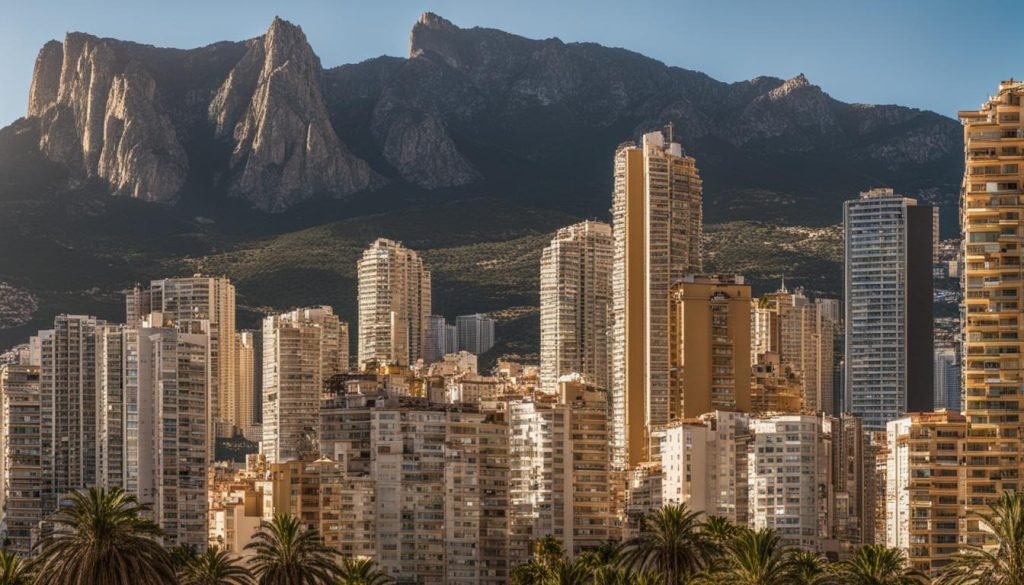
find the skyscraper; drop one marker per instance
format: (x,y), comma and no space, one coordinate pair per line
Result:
(656,213)
(21,454)
(394,303)
(710,346)
(246,362)
(177,300)
(301,349)
(436,345)
(992,217)
(801,332)
(888,286)
(575,305)
(476,333)
(947,379)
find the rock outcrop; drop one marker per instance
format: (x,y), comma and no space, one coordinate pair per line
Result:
(103,118)
(285,149)
(521,118)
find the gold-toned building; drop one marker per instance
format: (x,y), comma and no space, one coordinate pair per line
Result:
(924,486)
(657,228)
(992,218)
(709,346)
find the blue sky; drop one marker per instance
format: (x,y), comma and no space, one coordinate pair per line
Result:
(941,55)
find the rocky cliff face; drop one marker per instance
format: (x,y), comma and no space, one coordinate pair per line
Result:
(533,120)
(285,149)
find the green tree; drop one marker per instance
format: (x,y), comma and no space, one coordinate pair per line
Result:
(288,554)
(807,568)
(1001,563)
(875,564)
(214,567)
(14,570)
(604,564)
(752,557)
(102,539)
(670,543)
(361,571)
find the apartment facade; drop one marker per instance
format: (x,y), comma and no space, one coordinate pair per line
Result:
(657,230)
(21,452)
(302,349)
(576,305)
(992,208)
(888,290)
(709,345)
(394,303)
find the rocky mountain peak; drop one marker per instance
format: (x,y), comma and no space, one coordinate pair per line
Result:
(431,20)
(46,78)
(791,85)
(271,106)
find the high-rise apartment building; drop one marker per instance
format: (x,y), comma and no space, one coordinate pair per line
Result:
(423,488)
(888,286)
(576,305)
(657,229)
(246,364)
(476,333)
(992,216)
(167,443)
(560,479)
(21,453)
(173,301)
(118,406)
(709,342)
(704,464)
(394,303)
(924,479)
(301,350)
(789,478)
(436,345)
(947,379)
(802,335)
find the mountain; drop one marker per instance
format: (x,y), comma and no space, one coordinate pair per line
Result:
(233,149)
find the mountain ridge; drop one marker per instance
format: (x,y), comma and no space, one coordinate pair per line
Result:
(136,162)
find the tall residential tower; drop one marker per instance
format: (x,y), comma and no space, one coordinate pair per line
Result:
(888,286)
(394,304)
(575,305)
(656,214)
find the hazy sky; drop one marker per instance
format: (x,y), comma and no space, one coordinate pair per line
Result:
(942,55)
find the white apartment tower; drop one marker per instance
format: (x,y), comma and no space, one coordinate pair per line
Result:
(657,229)
(888,290)
(394,303)
(301,350)
(173,301)
(576,305)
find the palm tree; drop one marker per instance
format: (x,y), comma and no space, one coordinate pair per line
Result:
(361,571)
(719,529)
(752,557)
(603,563)
(548,557)
(1001,564)
(14,570)
(876,564)
(807,568)
(287,554)
(214,567)
(102,539)
(567,573)
(670,543)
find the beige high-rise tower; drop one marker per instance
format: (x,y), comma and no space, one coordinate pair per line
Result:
(992,217)
(394,303)
(301,349)
(575,305)
(656,213)
(172,302)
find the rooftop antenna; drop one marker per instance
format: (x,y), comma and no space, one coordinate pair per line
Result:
(782,287)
